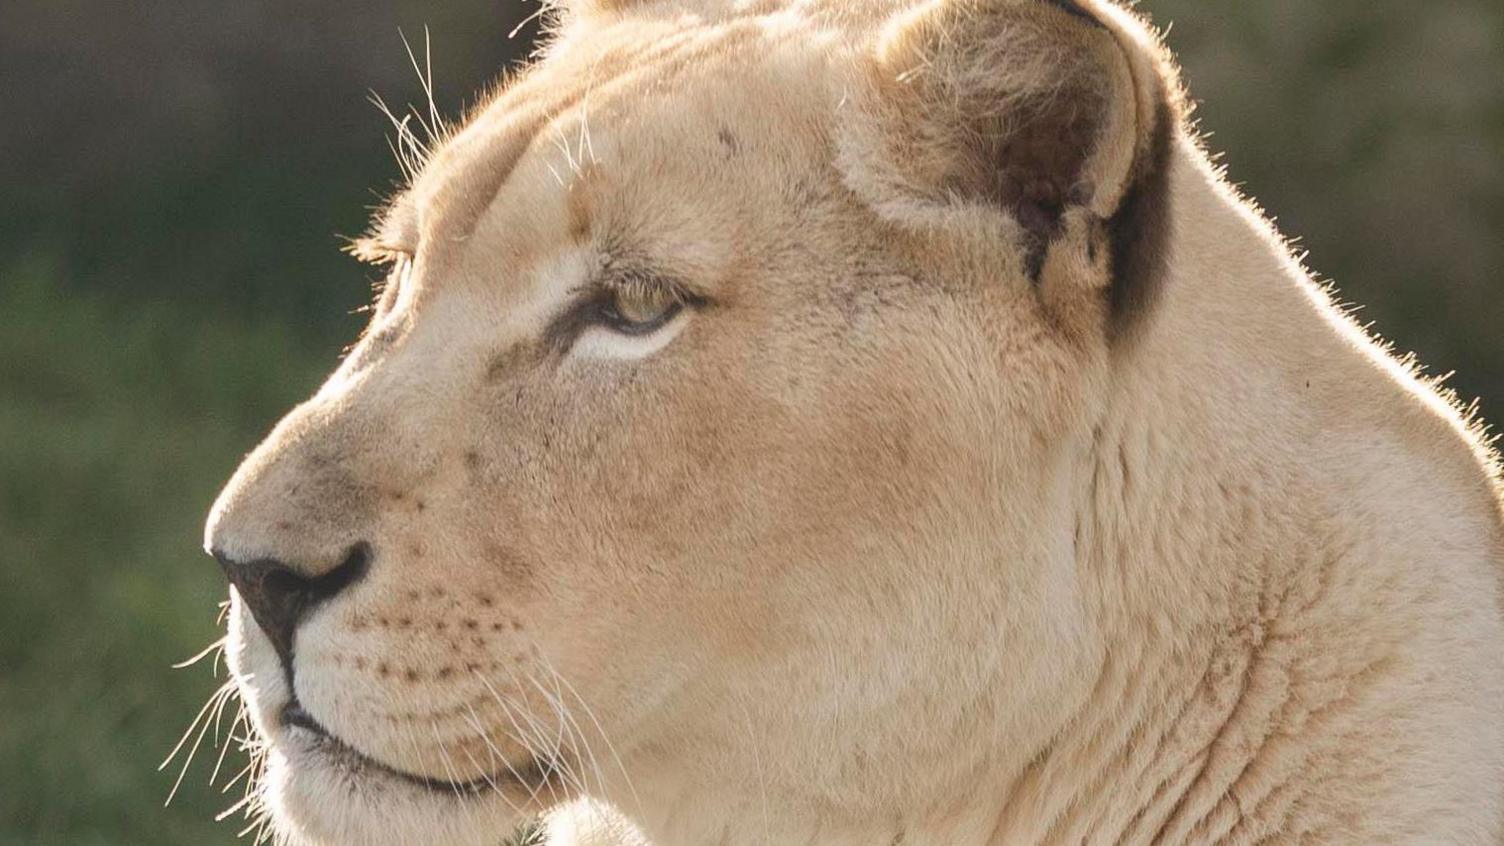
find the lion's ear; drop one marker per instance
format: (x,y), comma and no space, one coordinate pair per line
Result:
(1058,112)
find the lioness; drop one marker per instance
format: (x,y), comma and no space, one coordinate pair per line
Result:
(819,422)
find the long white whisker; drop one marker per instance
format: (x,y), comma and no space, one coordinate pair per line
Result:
(584,143)
(214,697)
(576,739)
(556,700)
(192,751)
(449,770)
(496,754)
(542,10)
(230,811)
(241,729)
(486,777)
(526,738)
(410,152)
(237,777)
(561,141)
(208,650)
(419,760)
(433,109)
(215,700)
(557,742)
(590,714)
(224,747)
(430,126)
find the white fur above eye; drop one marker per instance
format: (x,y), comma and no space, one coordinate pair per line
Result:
(599,342)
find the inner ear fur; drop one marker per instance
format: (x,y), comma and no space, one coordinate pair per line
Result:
(1051,110)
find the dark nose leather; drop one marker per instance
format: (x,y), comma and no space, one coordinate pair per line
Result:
(279,597)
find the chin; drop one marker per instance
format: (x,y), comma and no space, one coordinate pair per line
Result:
(316,789)
(320,792)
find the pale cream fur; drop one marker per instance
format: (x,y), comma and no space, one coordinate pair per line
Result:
(892,540)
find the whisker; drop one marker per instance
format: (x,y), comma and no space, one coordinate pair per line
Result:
(542,10)
(219,713)
(486,777)
(521,736)
(211,648)
(430,126)
(236,778)
(584,143)
(230,811)
(605,738)
(433,108)
(410,152)
(561,141)
(454,778)
(561,766)
(497,755)
(223,750)
(419,760)
(193,751)
(213,697)
(566,719)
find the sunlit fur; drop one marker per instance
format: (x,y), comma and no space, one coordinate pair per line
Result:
(906,532)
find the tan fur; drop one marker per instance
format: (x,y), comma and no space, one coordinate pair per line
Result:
(921,527)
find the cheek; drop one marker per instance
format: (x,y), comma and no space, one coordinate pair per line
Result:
(597,490)
(653,462)
(708,469)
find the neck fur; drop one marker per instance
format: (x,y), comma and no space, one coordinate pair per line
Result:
(1244,625)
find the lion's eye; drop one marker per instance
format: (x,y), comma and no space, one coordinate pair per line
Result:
(639,308)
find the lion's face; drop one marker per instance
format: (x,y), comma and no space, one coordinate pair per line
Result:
(669,457)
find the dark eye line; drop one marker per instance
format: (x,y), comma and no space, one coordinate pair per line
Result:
(594,305)
(604,313)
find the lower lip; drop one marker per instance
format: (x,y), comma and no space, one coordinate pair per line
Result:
(293,716)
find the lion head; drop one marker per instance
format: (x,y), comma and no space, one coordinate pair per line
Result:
(704,451)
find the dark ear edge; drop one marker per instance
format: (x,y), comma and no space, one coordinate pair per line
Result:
(1046,110)
(1071,7)
(1140,230)
(1139,227)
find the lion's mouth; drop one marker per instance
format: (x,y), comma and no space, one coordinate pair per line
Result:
(532,777)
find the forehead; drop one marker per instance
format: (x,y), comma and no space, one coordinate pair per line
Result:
(629,125)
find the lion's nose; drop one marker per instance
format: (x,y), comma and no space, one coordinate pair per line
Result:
(279,597)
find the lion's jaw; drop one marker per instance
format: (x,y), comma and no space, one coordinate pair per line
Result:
(850,550)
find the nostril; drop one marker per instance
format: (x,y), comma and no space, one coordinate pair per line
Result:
(349,571)
(279,597)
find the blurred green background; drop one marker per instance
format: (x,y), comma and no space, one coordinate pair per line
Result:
(173,176)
